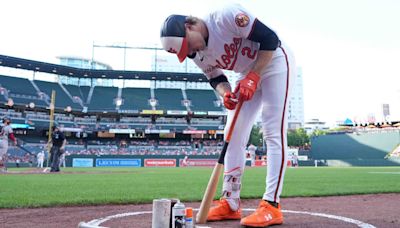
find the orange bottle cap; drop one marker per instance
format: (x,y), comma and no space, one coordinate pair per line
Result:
(189,212)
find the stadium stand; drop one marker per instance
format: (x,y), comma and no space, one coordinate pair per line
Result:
(62,99)
(135,99)
(103,99)
(21,91)
(202,100)
(169,99)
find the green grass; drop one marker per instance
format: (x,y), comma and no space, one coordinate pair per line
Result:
(93,186)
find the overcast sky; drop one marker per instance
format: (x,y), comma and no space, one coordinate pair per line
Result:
(348,50)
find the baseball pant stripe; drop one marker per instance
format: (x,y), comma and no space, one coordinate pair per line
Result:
(283,127)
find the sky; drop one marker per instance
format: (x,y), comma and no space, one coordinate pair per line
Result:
(348,50)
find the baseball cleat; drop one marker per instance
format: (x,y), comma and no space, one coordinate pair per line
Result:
(222,211)
(265,215)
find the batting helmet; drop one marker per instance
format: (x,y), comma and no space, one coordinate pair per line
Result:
(6,120)
(173,36)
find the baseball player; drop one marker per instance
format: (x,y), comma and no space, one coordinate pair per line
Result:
(234,39)
(6,133)
(40,159)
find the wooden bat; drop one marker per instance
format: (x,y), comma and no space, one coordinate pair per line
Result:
(208,197)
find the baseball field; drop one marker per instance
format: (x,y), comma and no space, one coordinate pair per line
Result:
(31,189)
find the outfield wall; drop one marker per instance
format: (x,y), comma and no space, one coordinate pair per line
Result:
(363,149)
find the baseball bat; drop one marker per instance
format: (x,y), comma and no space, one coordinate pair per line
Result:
(208,197)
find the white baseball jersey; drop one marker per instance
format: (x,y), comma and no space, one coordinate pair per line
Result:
(6,130)
(228,47)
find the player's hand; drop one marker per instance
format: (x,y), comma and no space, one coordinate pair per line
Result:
(247,86)
(230,100)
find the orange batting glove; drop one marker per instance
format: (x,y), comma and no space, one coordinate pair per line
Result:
(230,100)
(247,86)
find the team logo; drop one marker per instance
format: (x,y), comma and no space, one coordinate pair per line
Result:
(171,50)
(250,83)
(242,20)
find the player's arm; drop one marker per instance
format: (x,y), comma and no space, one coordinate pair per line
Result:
(222,86)
(268,41)
(12,137)
(64,143)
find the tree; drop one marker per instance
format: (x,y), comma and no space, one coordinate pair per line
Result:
(297,137)
(256,136)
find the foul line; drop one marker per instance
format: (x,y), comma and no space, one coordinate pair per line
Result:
(97,222)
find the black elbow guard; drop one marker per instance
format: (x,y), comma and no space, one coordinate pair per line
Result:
(267,38)
(215,81)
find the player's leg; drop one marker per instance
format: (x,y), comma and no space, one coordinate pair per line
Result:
(275,94)
(3,155)
(275,98)
(228,207)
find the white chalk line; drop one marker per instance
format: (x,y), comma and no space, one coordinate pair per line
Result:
(384,172)
(97,222)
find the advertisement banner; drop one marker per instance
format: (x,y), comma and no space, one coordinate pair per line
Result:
(260,162)
(176,112)
(198,162)
(152,112)
(82,162)
(109,162)
(200,113)
(159,162)
(122,131)
(157,131)
(194,132)
(216,113)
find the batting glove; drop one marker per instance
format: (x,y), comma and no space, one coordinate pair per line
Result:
(248,86)
(230,100)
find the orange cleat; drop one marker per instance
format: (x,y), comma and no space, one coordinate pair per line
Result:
(265,215)
(222,211)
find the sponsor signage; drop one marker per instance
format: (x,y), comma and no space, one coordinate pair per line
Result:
(302,158)
(122,131)
(71,129)
(82,162)
(199,162)
(128,111)
(153,112)
(159,162)
(216,113)
(176,112)
(21,126)
(200,113)
(109,162)
(194,131)
(156,131)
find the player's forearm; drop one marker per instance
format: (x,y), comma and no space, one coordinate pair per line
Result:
(222,88)
(64,143)
(262,61)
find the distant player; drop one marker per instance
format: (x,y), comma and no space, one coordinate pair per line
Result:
(40,159)
(252,153)
(6,133)
(185,161)
(233,39)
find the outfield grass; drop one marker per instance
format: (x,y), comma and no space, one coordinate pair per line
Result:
(93,186)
